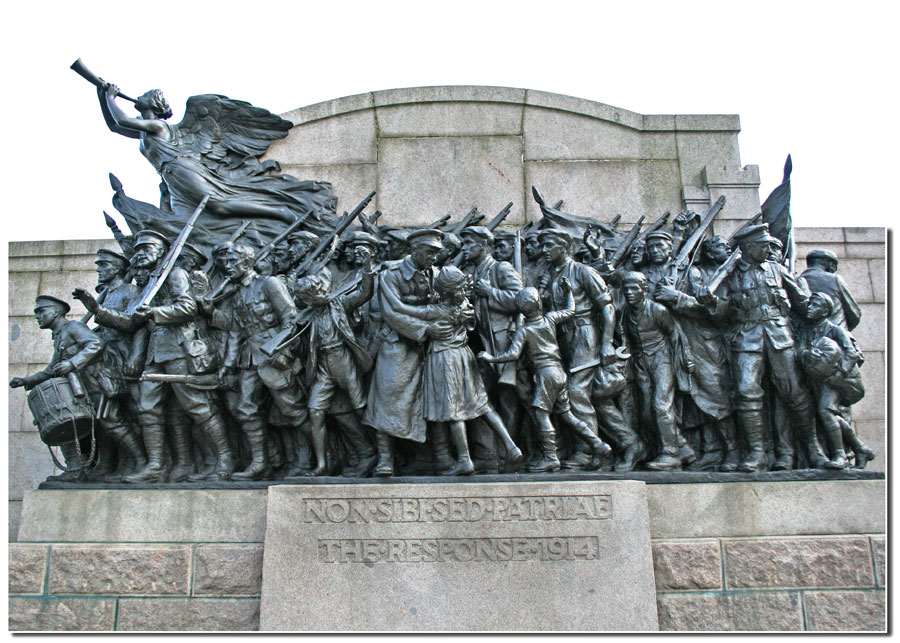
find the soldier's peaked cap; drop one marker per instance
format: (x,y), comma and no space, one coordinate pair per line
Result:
(661,234)
(302,234)
(556,234)
(361,236)
(754,234)
(426,236)
(145,237)
(57,303)
(194,250)
(104,254)
(478,232)
(821,253)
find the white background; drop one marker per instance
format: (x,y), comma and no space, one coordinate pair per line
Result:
(813,80)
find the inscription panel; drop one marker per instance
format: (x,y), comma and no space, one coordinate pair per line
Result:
(453,557)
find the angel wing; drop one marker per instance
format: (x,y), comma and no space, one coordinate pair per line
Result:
(227,133)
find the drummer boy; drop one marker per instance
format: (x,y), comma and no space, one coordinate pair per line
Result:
(74,344)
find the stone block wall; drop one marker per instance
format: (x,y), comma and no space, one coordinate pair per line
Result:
(433,150)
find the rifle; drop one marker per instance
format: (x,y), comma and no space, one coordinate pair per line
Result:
(126,247)
(615,221)
(497,220)
(722,272)
(157,279)
(656,225)
(209,381)
(466,220)
(440,223)
(237,234)
(327,241)
(619,255)
(687,248)
(745,225)
(79,68)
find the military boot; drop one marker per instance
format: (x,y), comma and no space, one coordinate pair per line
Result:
(259,466)
(181,444)
(154,470)
(670,457)
(214,430)
(752,424)
(635,452)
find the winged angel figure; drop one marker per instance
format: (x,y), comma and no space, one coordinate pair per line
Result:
(215,151)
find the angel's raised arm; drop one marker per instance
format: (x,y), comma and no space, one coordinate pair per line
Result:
(120,123)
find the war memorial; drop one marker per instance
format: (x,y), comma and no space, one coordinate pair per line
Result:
(446,359)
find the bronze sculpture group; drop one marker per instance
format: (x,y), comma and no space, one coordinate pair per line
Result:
(246,332)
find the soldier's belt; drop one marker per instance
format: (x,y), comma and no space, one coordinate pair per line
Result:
(760,313)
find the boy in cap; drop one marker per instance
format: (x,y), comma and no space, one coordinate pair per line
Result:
(536,337)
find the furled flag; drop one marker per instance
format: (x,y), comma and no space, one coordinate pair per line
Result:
(776,211)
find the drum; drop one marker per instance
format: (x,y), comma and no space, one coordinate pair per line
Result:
(54,406)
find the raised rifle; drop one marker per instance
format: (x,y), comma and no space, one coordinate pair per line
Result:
(747,224)
(329,240)
(615,221)
(237,234)
(497,220)
(466,220)
(680,264)
(440,223)
(656,225)
(161,273)
(724,269)
(619,255)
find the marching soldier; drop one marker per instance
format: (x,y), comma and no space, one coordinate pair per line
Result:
(759,295)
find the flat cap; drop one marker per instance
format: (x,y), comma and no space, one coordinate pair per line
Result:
(556,234)
(477,232)
(660,234)
(821,253)
(360,236)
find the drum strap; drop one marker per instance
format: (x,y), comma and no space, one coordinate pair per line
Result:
(84,463)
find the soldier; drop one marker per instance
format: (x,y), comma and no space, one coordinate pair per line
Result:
(533,266)
(75,348)
(650,330)
(759,295)
(261,308)
(122,357)
(831,360)
(395,405)
(495,286)
(820,275)
(587,340)
(709,401)
(179,347)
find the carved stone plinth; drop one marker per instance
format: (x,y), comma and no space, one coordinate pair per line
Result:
(446,557)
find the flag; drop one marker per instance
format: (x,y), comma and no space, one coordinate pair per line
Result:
(776,211)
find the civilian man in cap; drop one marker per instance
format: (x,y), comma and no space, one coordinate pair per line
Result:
(395,406)
(122,356)
(504,246)
(75,349)
(533,267)
(192,260)
(658,257)
(302,243)
(495,286)
(178,346)
(820,275)
(588,338)
(759,296)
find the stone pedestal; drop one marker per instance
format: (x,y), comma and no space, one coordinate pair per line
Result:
(536,556)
